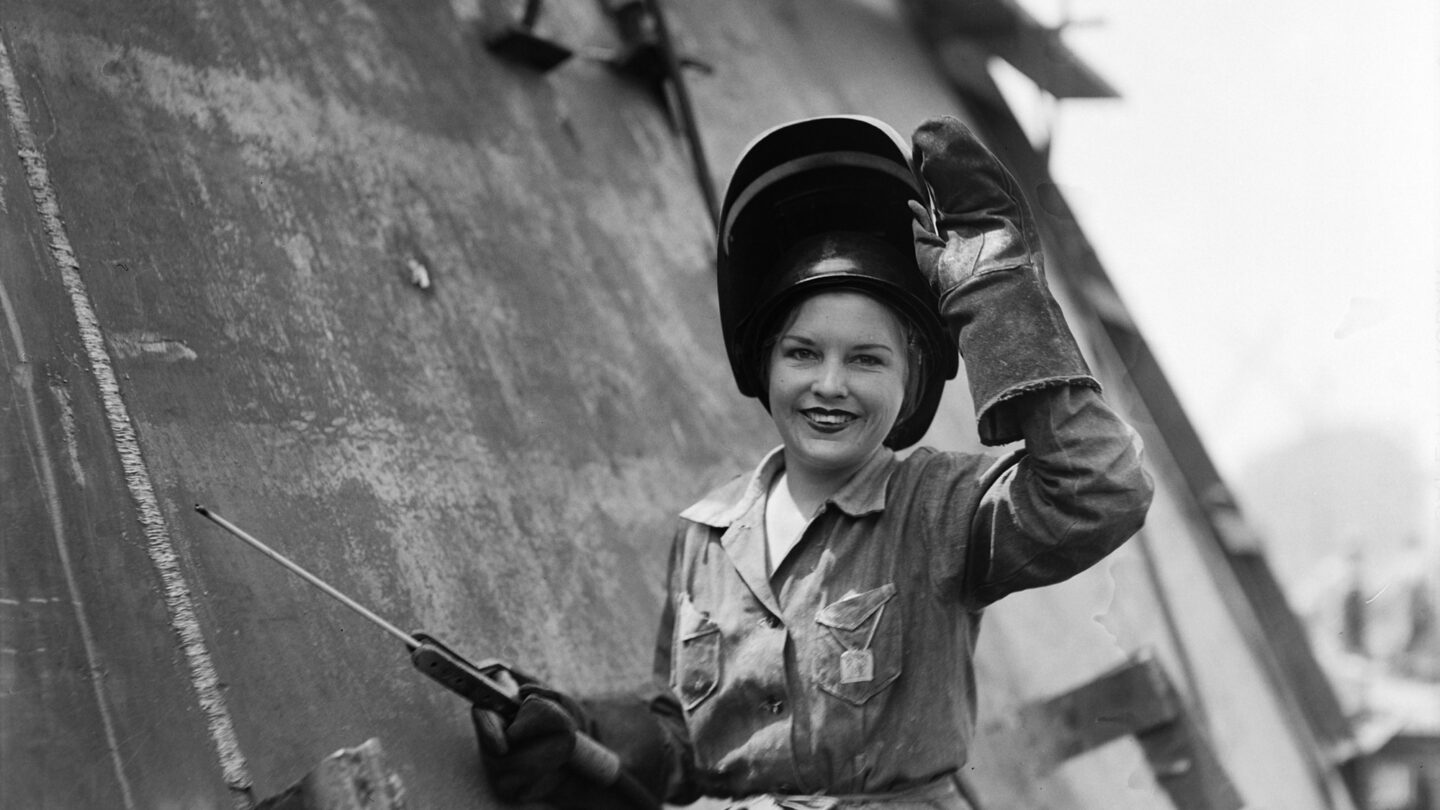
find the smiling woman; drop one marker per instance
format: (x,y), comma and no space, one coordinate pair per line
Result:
(837,373)
(836,383)
(849,259)
(816,648)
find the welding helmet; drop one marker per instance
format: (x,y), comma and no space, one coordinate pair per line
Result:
(821,204)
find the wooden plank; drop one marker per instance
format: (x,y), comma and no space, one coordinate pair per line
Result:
(1135,699)
(1132,697)
(1187,768)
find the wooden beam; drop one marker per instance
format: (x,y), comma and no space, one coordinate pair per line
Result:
(1135,699)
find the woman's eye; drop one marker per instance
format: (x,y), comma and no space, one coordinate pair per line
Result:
(800,353)
(869,360)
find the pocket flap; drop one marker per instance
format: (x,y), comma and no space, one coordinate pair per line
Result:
(854,610)
(694,622)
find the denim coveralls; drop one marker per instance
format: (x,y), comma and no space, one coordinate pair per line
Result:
(849,670)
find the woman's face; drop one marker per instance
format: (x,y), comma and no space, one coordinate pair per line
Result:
(836,382)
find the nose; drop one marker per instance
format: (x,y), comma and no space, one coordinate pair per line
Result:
(830,382)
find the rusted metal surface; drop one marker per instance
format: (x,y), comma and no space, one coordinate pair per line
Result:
(496,461)
(439,327)
(350,779)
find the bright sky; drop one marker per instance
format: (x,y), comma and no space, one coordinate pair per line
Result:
(1266,196)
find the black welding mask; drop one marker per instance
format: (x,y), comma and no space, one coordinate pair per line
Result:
(821,204)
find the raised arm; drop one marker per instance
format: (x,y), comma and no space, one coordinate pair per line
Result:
(1080,490)
(1076,495)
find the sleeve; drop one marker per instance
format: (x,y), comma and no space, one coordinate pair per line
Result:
(1077,494)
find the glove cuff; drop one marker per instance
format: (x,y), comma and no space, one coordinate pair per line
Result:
(1014,340)
(625,724)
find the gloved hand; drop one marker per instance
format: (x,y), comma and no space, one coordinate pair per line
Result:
(982,256)
(526,758)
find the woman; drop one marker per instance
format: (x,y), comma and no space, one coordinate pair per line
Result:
(816,646)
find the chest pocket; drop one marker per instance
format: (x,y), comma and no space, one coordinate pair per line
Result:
(697,661)
(858,651)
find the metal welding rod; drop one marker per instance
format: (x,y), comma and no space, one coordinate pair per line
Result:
(409,640)
(589,758)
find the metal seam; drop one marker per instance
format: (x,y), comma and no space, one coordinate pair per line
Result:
(183,620)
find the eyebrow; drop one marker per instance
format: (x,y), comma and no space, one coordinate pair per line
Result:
(858,347)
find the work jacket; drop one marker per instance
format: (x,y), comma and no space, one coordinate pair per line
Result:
(849,671)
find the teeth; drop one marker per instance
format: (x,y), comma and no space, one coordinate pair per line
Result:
(829,418)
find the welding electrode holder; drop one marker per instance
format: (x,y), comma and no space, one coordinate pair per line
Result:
(491,685)
(478,685)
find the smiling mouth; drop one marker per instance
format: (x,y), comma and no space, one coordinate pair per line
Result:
(828,421)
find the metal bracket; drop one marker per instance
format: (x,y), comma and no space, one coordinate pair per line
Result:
(349,779)
(648,54)
(520,43)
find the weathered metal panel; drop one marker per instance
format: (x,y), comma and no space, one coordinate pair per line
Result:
(496,461)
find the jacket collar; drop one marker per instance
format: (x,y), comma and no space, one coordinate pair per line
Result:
(863,494)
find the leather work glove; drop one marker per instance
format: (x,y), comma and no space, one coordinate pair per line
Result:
(983,259)
(527,759)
